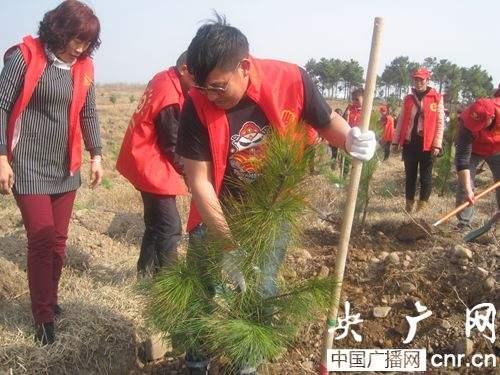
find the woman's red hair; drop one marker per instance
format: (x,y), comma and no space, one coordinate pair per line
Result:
(71,19)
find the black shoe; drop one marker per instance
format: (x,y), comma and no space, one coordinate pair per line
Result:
(57,311)
(197,371)
(463,227)
(45,333)
(197,365)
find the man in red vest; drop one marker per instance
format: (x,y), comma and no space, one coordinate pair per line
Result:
(236,101)
(352,113)
(419,132)
(478,139)
(147,159)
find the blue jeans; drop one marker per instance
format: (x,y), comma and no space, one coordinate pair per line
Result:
(465,216)
(269,270)
(269,273)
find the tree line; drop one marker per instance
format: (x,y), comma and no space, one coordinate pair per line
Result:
(337,78)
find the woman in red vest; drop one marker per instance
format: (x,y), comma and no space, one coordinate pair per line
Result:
(387,125)
(420,133)
(47,103)
(147,159)
(224,123)
(478,139)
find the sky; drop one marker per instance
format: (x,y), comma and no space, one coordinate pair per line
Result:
(143,37)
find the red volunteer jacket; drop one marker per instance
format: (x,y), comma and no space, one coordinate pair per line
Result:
(388,129)
(140,160)
(353,115)
(430,104)
(82,72)
(277,88)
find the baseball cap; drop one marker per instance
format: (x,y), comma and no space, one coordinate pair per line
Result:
(422,72)
(476,116)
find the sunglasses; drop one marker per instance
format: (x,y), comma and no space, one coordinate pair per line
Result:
(216,89)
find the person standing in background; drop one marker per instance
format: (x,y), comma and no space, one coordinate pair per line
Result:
(419,132)
(387,125)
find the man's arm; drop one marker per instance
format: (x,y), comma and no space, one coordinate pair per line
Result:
(167,128)
(200,180)
(336,131)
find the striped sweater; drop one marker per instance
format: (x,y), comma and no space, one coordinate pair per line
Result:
(40,158)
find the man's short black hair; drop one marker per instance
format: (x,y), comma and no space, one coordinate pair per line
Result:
(216,45)
(181,60)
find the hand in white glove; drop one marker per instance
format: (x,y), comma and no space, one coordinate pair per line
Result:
(360,145)
(230,267)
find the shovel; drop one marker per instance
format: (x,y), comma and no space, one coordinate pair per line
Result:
(463,205)
(472,235)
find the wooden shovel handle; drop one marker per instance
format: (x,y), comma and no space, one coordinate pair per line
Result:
(463,205)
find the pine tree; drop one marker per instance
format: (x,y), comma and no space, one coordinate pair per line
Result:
(251,327)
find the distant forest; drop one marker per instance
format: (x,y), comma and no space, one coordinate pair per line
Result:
(459,85)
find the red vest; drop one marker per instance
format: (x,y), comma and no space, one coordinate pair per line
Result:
(278,90)
(353,115)
(487,141)
(388,129)
(140,160)
(82,73)
(430,105)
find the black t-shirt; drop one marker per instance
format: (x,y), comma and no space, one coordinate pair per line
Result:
(248,127)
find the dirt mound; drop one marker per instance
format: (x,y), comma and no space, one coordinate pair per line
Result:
(413,231)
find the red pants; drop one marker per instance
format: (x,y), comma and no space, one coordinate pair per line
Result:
(46,219)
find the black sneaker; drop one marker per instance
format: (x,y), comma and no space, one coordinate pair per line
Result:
(45,333)
(463,227)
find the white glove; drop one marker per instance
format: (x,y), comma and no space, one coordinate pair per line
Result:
(230,267)
(360,145)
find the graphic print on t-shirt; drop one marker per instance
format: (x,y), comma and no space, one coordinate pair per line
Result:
(246,150)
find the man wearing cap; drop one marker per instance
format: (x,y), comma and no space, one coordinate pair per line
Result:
(419,132)
(478,139)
